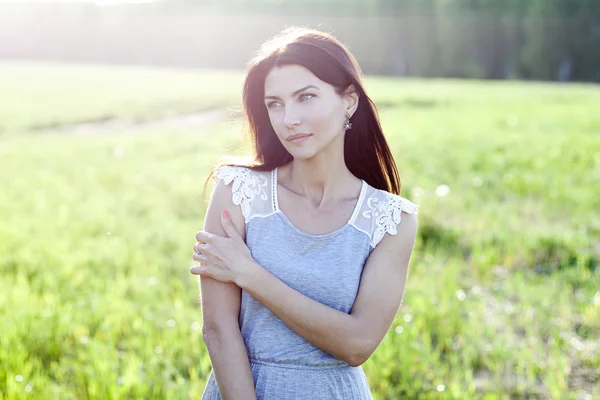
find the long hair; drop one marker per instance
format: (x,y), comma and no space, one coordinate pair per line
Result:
(366,152)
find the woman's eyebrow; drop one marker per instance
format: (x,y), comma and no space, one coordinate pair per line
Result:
(296,92)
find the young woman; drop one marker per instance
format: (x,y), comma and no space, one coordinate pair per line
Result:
(305,251)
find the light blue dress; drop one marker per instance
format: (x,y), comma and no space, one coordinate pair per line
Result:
(326,268)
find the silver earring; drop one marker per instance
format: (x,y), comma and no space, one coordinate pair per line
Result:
(347,123)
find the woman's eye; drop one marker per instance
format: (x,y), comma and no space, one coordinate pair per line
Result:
(272,104)
(306,96)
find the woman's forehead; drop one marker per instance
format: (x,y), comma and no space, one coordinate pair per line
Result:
(287,79)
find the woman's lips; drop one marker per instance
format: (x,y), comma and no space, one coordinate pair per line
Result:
(298,138)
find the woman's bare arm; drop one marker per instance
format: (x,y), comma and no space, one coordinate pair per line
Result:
(221,308)
(349,337)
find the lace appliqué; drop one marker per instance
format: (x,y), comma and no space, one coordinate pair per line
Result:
(246,186)
(386,215)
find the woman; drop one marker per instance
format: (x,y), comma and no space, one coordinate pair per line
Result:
(305,252)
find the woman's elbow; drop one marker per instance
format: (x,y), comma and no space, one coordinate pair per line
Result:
(356,360)
(209,335)
(359,354)
(213,334)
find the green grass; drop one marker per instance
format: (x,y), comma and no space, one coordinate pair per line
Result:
(38,97)
(96,300)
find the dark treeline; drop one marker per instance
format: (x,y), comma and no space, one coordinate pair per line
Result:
(493,39)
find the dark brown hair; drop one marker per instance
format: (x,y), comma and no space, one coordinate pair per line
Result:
(366,151)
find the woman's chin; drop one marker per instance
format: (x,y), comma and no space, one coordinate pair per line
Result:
(302,154)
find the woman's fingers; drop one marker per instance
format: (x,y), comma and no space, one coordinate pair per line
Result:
(203,258)
(198,247)
(206,237)
(198,269)
(210,271)
(205,248)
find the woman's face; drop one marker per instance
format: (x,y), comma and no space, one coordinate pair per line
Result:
(300,103)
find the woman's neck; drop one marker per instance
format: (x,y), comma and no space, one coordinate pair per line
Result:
(321,181)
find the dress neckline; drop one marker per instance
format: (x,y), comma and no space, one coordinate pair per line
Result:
(349,223)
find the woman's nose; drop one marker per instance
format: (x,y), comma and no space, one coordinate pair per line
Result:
(291,119)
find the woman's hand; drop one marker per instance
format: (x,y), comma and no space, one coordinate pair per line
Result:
(226,259)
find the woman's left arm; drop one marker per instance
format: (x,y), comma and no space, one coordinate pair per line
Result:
(349,337)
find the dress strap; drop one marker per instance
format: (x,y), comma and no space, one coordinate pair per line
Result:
(274,197)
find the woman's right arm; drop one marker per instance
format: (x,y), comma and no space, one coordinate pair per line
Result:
(220,311)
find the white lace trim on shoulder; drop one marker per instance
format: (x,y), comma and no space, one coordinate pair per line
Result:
(386,213)
(246,186)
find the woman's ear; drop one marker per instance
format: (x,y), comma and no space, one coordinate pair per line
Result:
(351,99)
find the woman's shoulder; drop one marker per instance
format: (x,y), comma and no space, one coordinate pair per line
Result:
(382,212)
(249,188)
(227,173)
(381,200)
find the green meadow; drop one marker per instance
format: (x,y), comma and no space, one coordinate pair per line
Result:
(96,234)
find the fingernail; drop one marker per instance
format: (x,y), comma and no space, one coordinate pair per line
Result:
(225,215)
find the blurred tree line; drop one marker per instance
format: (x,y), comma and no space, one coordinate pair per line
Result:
(491,39)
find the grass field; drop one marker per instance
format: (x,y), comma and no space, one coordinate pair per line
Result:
(96,301)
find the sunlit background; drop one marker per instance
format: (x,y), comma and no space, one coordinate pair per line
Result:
(112,114)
